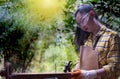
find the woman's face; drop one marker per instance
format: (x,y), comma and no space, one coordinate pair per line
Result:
(84,21)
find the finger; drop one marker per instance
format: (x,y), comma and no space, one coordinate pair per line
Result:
(76,73)
(76,70)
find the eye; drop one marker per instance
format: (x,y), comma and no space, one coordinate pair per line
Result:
(82,20)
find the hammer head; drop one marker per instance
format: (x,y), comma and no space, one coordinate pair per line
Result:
(67,67)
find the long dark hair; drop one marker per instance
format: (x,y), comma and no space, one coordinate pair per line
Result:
(80,35)
(80,38)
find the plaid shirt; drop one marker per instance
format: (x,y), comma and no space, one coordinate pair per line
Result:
(108,46)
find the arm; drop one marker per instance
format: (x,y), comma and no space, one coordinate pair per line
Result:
(113,56)
(93,74)
(101,72)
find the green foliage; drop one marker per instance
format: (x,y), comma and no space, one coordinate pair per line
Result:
(16,41)
(69,15)
(58,47)
(25,41)
(55,58)
(2,2)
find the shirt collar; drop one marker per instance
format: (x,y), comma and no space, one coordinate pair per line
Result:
(101,31)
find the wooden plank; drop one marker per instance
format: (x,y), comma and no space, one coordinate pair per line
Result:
(7,73)
(40,76)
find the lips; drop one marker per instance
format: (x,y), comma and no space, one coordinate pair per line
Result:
(86,29)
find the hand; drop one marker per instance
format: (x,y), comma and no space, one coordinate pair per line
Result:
(89,74)
(76,74)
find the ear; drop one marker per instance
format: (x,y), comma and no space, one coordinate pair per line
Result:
(92,13)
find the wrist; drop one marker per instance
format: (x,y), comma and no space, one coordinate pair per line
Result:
(101,72)
(90,74)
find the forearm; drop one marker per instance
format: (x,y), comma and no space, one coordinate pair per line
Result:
(88,74)
(93,74)
(101,72)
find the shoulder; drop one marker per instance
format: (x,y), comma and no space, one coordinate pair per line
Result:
(114,37)
(111,33)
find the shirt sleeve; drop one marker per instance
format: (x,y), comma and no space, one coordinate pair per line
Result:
(113,56)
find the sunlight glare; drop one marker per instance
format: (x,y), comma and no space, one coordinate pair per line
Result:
(48,9)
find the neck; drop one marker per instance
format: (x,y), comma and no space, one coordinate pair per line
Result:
(97,25)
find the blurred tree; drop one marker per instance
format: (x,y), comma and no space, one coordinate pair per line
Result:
(26,36)
(15,47)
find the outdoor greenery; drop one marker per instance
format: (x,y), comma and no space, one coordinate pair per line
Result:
(37,35)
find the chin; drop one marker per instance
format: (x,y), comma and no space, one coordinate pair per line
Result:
(86,30)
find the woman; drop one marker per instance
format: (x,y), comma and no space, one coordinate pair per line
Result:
(99,47)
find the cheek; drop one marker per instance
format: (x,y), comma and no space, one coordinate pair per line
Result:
(90,22)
